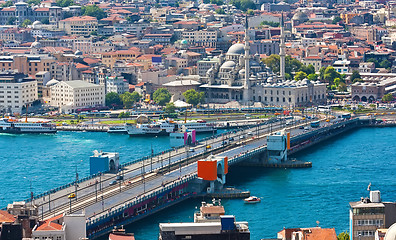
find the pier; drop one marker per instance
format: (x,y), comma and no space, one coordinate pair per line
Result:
(158,181)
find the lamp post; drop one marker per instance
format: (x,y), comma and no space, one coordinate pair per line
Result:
(75,182)
(31,196)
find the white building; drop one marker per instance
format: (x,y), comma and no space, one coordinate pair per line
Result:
(16,91)
(116,84)
(72,95)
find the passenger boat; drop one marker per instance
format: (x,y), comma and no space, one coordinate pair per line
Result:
(146,130)
(199,126)
(252,199)
(118,129)
(8,125)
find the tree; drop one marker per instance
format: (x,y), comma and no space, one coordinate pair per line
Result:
(220,11)
(271,24)
(162,96)
(375,61)
(330,74)
(170,108)
(321,73)
(64,3)
(385,64)
(67,15)
(11,20)
(7,4)
(357,80)
(355,74)
(250,12)
(343,236)
(387,97)
(337,19)
(26,23)
(123,115)
(312,77)
(291,64)
(33,2)
(310,69)
(243,5)
(113,100)
(128,99)
(342,87)
(300,76)
(93,11)
(94,33)
(193,97)
(45,21)
(136,96)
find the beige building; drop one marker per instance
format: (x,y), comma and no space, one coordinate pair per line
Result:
(370,214)
(315,61)
(205,38)
(16,91)
(83,25)
(27,64)
(72,95)
(178,87)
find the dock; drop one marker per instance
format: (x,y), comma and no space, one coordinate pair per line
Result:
(229,193)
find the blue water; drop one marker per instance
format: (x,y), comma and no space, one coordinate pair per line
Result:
(342,169)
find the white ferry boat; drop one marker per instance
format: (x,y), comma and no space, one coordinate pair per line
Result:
(118,129)
(16,126)
(146,130)
(199,126)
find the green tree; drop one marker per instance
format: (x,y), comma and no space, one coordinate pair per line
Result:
(93,11)
(26,23)
(220,11)
(385,64)
(193,97)
(11,20)
(162,96)
(7,4)
(45,21)
(291,64)
(330,74)
(300,76)
(136,96)
(122,115)
(343,236)
(375,61)
(387,97)
(355,74)
(64,3)
(271,24)
(321,73)
(312,77)
(342,87)
(67,15)
(128,99)
(33,2)
(170,108)
(310,69)
(243,5)
(250,12)
(94,33)
(113,100)
(337,19)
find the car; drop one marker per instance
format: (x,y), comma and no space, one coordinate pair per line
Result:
(306,128)
(250,133)
(112,183)
(191,150)
(242,137)
(72,195)
(119,177)
(231,139)
(301,127)
(208,147)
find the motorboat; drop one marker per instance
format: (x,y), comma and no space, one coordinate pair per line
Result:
(252,199)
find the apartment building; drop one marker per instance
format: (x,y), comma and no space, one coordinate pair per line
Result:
(83,25)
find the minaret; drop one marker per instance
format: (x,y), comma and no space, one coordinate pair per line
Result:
(282,49)
(247,65)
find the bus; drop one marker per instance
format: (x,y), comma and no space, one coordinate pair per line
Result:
(346,116)
(315,124)
(324,109)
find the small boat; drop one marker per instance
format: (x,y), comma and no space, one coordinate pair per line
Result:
(252,199)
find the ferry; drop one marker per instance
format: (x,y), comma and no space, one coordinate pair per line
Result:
(199,126)
(146,130)
(252,199)
(118,129)
(8,125)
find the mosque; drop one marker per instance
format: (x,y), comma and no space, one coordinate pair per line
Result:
(239,76)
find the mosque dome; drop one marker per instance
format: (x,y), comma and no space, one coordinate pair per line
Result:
(237,48)
(184,41)
(391,233)
(300,16)
(37,25)
(51,82)
(228,64)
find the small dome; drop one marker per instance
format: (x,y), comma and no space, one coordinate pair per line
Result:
(228,64)
(391,233)
(78,53)
(300,16)
(237,48)
(51,82)
(184,41)
(37,25)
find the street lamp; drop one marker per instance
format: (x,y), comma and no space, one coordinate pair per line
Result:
(75,183)
(31,189)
